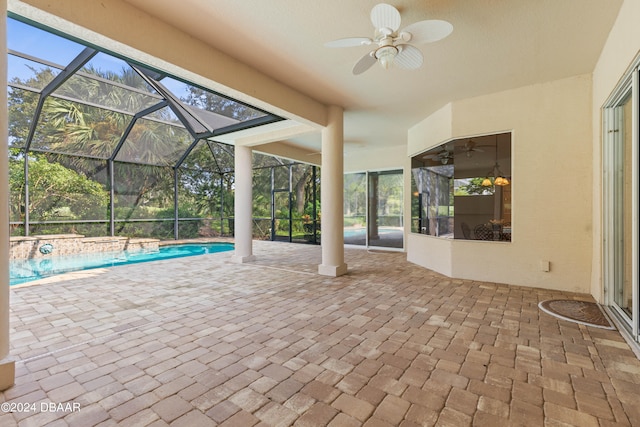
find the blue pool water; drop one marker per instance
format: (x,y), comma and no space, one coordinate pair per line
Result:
(22,271)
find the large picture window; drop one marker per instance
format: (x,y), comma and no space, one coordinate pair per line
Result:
(462,189)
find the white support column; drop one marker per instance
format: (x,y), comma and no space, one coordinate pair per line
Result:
(332,195)
(243,207)
(7,366)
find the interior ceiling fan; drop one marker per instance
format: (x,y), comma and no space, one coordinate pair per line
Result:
(443,156)
(392,46)
(470,148)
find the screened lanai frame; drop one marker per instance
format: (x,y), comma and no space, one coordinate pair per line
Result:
(155,104)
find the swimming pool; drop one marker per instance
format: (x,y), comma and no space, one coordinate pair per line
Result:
(23,271)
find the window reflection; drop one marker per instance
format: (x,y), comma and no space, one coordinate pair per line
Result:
(462,189)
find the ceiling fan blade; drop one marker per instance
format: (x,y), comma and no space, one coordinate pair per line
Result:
(364,64)
(349,42)
(427,31)
(385,16)
(409,57)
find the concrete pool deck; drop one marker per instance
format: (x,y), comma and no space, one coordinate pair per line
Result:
(202,341)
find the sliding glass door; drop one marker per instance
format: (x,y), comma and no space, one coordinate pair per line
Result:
(620,226)
(373,209)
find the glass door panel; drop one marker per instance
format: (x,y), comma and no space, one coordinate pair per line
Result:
(621,197)
(385,213)
(355,209)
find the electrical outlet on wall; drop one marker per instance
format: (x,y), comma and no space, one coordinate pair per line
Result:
(545,265)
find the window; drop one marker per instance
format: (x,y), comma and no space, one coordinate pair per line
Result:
(462,189)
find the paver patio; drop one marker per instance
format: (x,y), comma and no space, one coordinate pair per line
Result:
(202,341)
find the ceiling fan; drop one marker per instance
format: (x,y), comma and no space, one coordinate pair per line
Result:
(392,46)
(443,156)
(470,148)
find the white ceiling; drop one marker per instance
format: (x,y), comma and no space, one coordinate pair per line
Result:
(495,45)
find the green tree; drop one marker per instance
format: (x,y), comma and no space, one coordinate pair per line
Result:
(206,180)
(55,192)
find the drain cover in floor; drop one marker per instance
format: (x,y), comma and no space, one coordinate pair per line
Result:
(584,312)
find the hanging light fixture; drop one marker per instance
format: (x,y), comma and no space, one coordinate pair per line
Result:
(496,173)
(501,181)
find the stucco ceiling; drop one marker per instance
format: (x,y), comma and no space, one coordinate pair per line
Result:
(495,45)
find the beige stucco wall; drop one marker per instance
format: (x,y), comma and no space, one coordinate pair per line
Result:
(431,131)
(622,46)
(551,182)
(364,159)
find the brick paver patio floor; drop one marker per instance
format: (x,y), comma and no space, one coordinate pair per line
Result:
(202,341)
